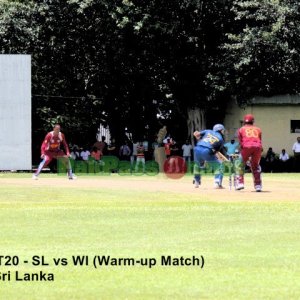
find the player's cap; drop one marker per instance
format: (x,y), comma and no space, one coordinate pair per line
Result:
(218,127)
(248,118)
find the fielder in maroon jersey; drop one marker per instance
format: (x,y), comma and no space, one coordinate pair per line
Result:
(251,147)
(51,149)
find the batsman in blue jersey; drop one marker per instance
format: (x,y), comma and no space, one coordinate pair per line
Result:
(208,143)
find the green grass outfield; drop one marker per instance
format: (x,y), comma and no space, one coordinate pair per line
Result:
(251,248)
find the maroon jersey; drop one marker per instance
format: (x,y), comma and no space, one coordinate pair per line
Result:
(250,136)
(52,143)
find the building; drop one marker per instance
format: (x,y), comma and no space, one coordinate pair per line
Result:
(277,116)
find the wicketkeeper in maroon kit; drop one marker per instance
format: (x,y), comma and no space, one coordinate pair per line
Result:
(251,147)
(51,149)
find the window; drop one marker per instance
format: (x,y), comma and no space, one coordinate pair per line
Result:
(295,126)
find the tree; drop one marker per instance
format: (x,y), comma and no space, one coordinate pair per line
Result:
(264,48)
(180,41)
(122,63)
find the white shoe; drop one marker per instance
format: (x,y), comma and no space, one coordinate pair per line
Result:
(34,177)
(258,188)
(73,177)
(239,186)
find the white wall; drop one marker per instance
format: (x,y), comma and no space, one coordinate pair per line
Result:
(15,112)
(274,120)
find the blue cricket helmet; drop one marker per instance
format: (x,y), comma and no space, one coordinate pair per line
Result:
(218,127)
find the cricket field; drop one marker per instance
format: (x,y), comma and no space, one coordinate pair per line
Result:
(148,237)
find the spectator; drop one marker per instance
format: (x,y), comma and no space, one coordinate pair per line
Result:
(283,156)
(140,157)
(174,149)
(102,146)
(231,147)
(270,160)
(145,145)
(146,149)
(84,154)
(112,149)
(124,152)
(96,154)
(283,161)
(75,155)
(186,151)
(296,150)
(168,147)
(133,153)
(173,158)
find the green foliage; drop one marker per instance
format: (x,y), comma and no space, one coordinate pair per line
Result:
(124,62)
(118,62)
(263,50)
(15,27)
